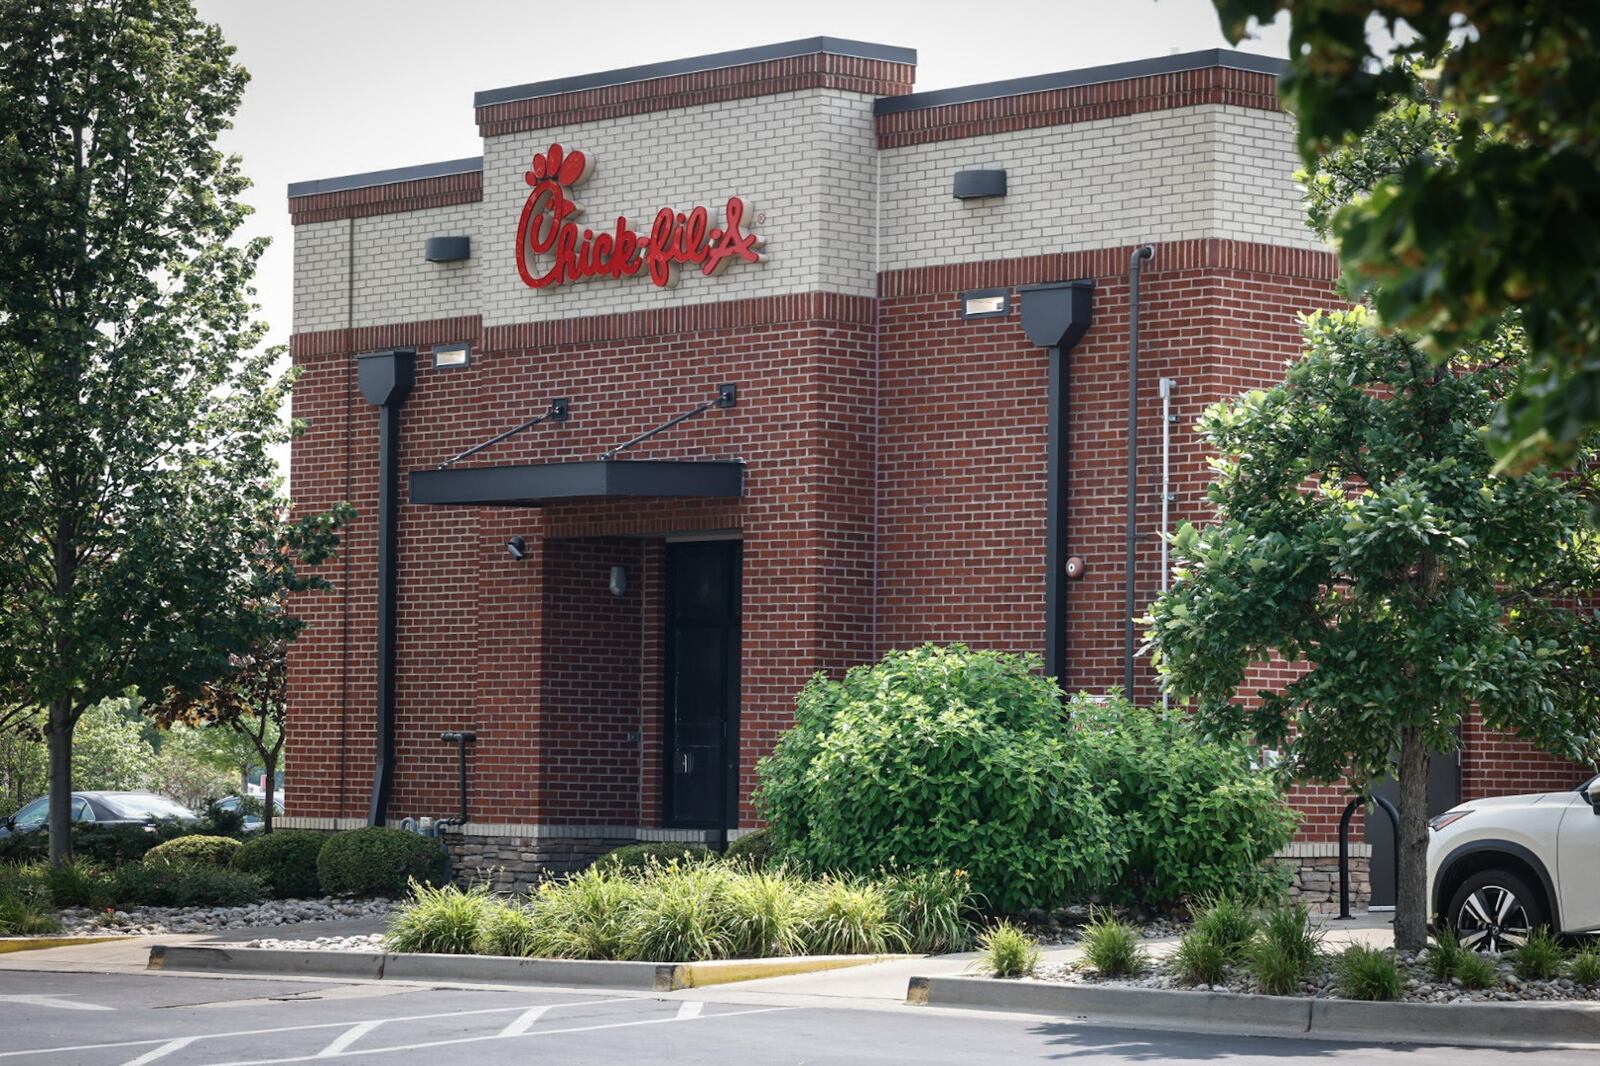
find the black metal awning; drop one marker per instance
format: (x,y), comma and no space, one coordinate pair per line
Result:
(536,485)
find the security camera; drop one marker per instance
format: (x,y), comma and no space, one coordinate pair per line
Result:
(518,548)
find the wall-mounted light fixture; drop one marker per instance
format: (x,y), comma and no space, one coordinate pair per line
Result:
(619,580)
(451,356)
(518,548)
(447,249)
(979,184)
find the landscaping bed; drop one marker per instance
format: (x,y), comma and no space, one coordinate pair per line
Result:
(142,921)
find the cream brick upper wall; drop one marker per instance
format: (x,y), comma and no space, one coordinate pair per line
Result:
(393,282)
(804,160)
(321,254)
(1206,171)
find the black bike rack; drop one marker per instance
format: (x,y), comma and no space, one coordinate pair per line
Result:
(1344,847)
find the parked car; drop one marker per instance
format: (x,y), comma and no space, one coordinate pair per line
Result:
(1499,868)
(101,808)
(252,822)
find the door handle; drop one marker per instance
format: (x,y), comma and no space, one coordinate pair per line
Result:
(685,762)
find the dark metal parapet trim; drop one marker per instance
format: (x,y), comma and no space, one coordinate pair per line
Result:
(386,379)
(534,485)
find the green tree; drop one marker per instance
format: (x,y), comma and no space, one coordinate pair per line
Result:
(1361,537)
(137,413)
(1511,223)
(109,750)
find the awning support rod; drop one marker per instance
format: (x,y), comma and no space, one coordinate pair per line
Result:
(727,396)
(557,412)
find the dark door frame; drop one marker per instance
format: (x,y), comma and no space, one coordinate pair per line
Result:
(730,726)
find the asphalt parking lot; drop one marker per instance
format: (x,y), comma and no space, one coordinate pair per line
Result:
(55,1019)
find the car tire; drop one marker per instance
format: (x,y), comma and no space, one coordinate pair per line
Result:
(1493,911)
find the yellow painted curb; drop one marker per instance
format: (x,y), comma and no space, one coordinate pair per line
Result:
(727,971)
(37,943)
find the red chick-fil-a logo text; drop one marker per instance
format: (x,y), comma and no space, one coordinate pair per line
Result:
(553,248)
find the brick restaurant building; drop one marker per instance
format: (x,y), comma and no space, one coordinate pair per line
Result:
(894,321)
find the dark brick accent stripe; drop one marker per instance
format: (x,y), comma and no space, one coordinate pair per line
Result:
(1209,253)
(819,71)
(695,318)
(388,199)
(399,335)
(1080,103)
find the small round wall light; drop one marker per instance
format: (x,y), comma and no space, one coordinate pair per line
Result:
(518,548)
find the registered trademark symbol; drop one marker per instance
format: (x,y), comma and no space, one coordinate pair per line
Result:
(761,217)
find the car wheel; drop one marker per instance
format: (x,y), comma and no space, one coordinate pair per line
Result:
(1494,911)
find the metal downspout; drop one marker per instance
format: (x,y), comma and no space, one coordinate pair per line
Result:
(1135,261)
(386,379)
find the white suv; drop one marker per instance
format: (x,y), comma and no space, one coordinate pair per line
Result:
(1499,868)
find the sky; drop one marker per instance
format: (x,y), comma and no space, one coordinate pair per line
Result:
(345,86)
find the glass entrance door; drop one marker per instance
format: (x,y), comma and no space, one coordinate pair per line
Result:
(702,674)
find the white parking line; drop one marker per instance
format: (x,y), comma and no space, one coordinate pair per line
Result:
(348,1037)
(689,1009)
(295,1028)
(396,1048)
(58,1002)
(524,1021)
(162,1052)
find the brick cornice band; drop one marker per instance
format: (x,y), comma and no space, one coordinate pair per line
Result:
(398,335)
(822,70)
(1079,103)
(1199,254)
(388,199)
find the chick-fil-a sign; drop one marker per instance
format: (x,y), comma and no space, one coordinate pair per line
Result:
(553,248)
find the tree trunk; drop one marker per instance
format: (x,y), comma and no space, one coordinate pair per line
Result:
(1411,903)
(59,734)
(268,784)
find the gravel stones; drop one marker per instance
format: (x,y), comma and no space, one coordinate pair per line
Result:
(143,921)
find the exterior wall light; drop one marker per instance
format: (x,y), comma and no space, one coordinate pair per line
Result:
(518,548)
(450,356)
(447,249)
(619,580)
(979,184)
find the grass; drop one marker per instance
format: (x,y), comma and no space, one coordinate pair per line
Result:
(1368,973)
(678,914)
(1444,961)
(1006,951)
(1226,922)
(1540,956)
(1584,966)
(1201,960)
(444,921)
(1283,951)
(763,915)
(848,916)
(932,907)
(1113,949)
(1476,972)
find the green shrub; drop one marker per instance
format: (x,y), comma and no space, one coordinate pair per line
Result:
(215,851)
(847,916)
(1474,971)
(1226,922)
(103,845)
(1540,956)
(1444,960)
(1368,973)
(444,921)
(22,915)
(678,914)
(1283,952)
(79,883)
(755,848)
(637,857)
(380,862)
(1006,951)
(1584,966)
(932,907)
(1113,949)
(941,757)
(1201,960)
(165,884)
(286,859)
(510,930)
(763,914)
(1193,816)
(583,917)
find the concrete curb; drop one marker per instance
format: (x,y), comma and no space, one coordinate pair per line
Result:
(489,969)
(11,944)
(1491,1024)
